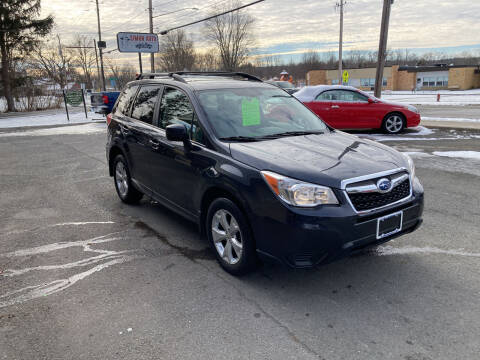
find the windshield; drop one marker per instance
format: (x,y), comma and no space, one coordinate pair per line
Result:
(250,113)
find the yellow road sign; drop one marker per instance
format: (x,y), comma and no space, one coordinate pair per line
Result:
(345,76)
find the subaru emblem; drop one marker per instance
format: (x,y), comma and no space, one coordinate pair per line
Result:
(384,185)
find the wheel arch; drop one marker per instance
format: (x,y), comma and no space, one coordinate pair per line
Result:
(216,192)
(114,151)
(395,112)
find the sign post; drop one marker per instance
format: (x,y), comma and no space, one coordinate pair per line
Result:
(137,43)
(66,107)
(345,77)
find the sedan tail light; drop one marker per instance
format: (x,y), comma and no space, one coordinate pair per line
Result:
(109,119)
(105,99)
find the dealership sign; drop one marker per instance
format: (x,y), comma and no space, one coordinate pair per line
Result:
(137,42)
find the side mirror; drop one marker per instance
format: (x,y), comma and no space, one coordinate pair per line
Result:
(176,132)
(371,101)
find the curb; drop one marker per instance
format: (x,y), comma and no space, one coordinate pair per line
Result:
(450,124)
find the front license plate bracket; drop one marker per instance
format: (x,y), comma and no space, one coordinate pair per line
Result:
(389,224)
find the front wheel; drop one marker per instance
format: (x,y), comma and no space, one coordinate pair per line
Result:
(393,124)
(229,233)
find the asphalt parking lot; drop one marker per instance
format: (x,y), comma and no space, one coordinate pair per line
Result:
(83,276)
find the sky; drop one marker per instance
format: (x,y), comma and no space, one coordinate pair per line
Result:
(286,28)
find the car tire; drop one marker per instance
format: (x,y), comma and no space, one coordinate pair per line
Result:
(229,234)
(393,123)
(123,182)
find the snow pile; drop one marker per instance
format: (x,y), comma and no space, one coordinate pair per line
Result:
(450,119)
(447,97)
(459,154)
(46,119)
(63,130)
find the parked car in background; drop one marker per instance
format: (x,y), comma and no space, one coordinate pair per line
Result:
(285,85)
(257,171)
(102,102)
(345,107)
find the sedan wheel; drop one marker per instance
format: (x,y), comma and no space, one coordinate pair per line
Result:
(393,124)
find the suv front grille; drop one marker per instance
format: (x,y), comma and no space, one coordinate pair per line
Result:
(362,201)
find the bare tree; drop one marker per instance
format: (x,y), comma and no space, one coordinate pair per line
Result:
(207,61)
(232,34)
(84,57)
(53,61)
(121,73)
(176,52)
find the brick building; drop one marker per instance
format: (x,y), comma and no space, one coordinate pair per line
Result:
(431,77)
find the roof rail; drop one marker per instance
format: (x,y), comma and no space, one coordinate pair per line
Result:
(219,73)
(151,75)
(177,75)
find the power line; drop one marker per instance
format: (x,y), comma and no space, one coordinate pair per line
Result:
(164,32)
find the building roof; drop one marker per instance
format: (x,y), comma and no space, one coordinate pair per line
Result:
(436,67)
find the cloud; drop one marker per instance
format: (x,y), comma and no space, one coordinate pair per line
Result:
(286,26)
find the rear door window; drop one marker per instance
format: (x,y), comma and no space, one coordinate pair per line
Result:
(144,106)
(125,101)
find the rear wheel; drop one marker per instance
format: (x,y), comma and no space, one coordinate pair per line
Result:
(393,124)
(123,182)
(229,233)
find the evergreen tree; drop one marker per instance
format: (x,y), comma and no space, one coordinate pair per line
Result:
(20,29)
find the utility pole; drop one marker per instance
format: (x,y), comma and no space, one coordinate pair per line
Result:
(100,49)
(340,41)
(96,60)
(150,19)
(382,47)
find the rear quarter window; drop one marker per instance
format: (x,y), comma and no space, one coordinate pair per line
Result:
(125,101)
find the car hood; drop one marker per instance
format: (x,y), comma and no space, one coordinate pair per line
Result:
(324,159)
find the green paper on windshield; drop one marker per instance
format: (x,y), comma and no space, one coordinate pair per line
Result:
(250,112)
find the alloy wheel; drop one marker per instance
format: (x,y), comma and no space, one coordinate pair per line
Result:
(394,124)
(121,178)
(227,236)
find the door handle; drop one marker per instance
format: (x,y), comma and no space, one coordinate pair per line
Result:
(335,106)
(154,144)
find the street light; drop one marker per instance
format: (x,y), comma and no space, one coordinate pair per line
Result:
(172,12)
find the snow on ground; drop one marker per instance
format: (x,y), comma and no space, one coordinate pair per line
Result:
(62,130)
(46,119)
(459,154)
(449,119)
(447,97)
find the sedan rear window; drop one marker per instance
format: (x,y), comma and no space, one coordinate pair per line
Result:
(256,113)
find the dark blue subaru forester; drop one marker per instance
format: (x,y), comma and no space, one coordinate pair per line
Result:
(261,175)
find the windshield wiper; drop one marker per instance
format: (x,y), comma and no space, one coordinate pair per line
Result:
(293,133)
(240,138)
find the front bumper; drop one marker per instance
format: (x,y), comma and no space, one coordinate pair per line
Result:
(413,120)
(307,237)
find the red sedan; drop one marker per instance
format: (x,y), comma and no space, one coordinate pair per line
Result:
(345,107)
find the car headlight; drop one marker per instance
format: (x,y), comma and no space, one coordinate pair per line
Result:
(412,109)
(411,166)
(298,193)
